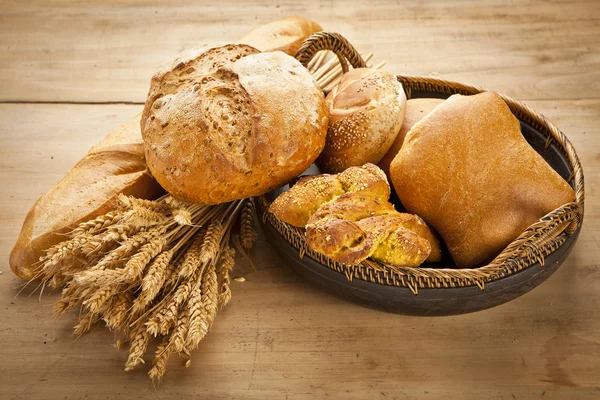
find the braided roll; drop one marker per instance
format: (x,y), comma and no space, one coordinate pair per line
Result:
(348,218)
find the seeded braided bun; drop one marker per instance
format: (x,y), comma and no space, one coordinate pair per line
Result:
(348,218)
(230,123)
(366,110)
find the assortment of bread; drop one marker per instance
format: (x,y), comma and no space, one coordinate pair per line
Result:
(239,120)
(348,218)
(366,110)
(117,165)
(224,124)
(467,170)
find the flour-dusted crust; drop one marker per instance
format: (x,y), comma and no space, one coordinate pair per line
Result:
(232,123)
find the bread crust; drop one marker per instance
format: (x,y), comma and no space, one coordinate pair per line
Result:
(416,109)
(115,165)
(366,110)
(467,170)
(242,126)
(286,34)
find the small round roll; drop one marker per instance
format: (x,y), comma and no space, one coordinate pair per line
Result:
(366,111)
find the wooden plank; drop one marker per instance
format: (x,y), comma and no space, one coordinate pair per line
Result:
(280,338)
(73,51)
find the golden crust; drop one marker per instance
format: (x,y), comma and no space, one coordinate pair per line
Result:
(115,165)
(366,111)
(486,187)
(286,34)
(298,204)
(348,218)
(341,240)
(416,109)
(232,123)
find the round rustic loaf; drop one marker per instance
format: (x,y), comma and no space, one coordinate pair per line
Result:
(366,110)
(230,123)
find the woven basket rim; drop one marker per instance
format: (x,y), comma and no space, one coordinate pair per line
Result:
(538,241)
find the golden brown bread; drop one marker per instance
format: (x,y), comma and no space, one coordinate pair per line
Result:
(416,109)
(349,221)
(366,110)
(232,123)
(115,165)
(350,229)
(298,204)
(286,34)
(366,210)
(296,208)
(469,172)
(394,243)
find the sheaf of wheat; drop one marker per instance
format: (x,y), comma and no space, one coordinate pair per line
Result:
(150,270)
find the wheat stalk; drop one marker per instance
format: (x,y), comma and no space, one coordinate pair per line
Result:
(163,352)
(97,224)
(207,309)
(226,263)
(147,269)
(139,343)
(247,233)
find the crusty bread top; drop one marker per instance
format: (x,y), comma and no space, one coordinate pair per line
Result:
(239,127)
(298,204)
(467,170)
(186,70)
(286,34)
(366,110)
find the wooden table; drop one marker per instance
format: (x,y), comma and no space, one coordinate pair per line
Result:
(71,71)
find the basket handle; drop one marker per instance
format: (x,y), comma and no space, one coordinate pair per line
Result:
(333,42)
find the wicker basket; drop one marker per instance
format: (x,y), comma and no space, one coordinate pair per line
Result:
(535,244)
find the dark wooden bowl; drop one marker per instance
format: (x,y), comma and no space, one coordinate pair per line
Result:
(430,301)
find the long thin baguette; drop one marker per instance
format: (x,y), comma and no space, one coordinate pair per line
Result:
(286,34)
(115,165)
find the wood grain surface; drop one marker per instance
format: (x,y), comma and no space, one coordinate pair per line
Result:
(71,71)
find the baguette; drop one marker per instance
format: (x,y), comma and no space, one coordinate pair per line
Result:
(115,165)
(286,34)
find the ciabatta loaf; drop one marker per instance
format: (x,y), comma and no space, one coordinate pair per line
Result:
(467,170)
